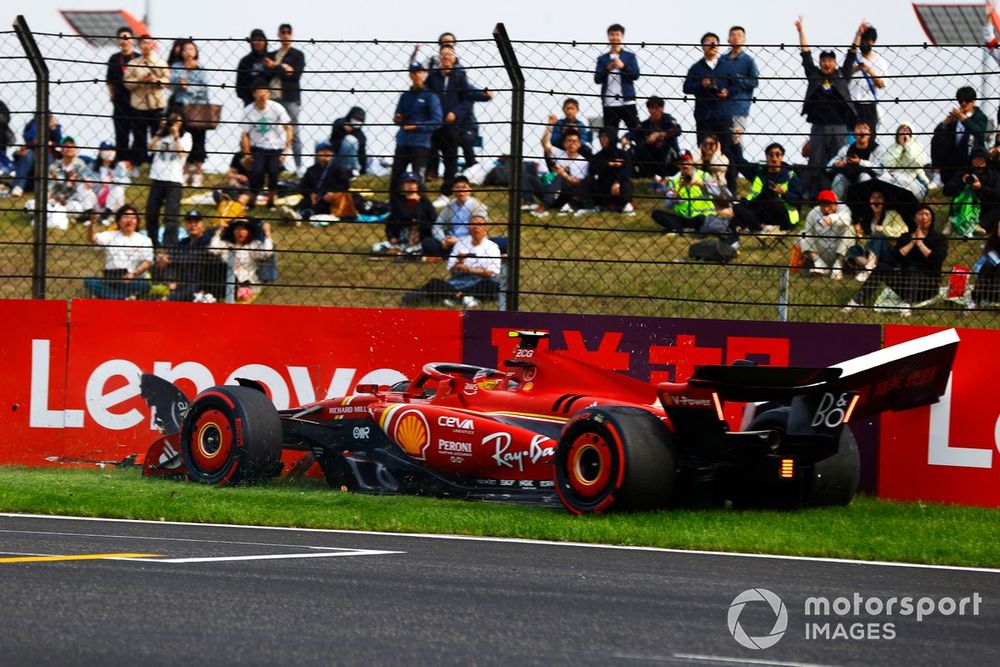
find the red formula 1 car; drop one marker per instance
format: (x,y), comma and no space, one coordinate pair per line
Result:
(547,425)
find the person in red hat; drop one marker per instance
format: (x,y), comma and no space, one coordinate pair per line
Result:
(827,236)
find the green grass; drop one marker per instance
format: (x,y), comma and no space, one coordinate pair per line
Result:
(868,529)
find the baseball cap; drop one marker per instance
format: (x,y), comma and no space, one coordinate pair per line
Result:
(324,146)
(105,145)
(193,214)
(67,140)
(257,33)
(684,156)
(409,177)
(827,197)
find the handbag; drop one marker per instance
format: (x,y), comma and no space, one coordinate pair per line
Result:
(202,116)
(796,260)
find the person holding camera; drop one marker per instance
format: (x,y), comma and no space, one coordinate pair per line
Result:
(170,147)
(146,78)
(983,184)
(710,80)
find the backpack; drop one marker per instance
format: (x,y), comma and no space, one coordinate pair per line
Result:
(712,250)
(964,212)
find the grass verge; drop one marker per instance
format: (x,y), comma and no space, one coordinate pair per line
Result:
(869,529)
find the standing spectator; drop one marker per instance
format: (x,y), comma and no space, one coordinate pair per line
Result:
(325,190)
(654,142)
(775,195)
(452,87)
(689,198)
(611,173)
(128,255)
(109,178)
(251,66)
(285,67)
(617,71)
(744,82)
(170,147)
(411,219)
(267,136)
(915,270)
(418,115)
(243,246)
(571,111)
(350,146)
(453,221)
(867,71)
(827,107)
(858,163)
(121,98)
(147,77)
(963,130)
(710,80)
(827,236)
(571,188)
(24,155)
(190,86)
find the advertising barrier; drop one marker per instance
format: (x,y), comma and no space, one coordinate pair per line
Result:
(947,452)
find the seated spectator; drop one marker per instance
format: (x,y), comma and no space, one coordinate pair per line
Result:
(975,185)
(195,272)
(6,139)
(70,193)
(689,197)
(108,178)
(570,190)
(325,190)
(611,171)
(855,163)
(266,137)
(475,266)
(775,195)
(905,161)
(350,146)
(827,236)
(654,142)
(453,221)
(532,187)
(128,255)
(24,155)
(914,273)
(411,219)
(987,269)
(571,111)
(711,159)
(881,226)
(232,208)
(962,130)
(243,246)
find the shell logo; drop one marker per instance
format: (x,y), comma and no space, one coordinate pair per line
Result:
(412,433)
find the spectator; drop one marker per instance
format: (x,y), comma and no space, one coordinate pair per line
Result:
(856,163)
(689,198)
(982,185)
(147,77)
(827,236)
(170,147)
(571,109)
(285,67)
(710,80)
(121,98)
(475,266)
(251,67)
(267,136)
(655,142)
(987,288)
(418,115)
(617,71)
(325,190)
(904,161)
(827,107)
(962,130)
(410,222)
(744,83)
(881,226)
(453,221)
(70,192)
(109,178)
(196,272)
(452,87)
(711,159)
(350,146)
(128,255)
(774,197)
(24,155)
(243,246)
(914,273)
(570,190)
(444,39)
(190,86)
(611,173)
(237,177)
(867,72)
(6,139)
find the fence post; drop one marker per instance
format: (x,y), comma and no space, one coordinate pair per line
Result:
(41,175)
(783,294)
(516,76)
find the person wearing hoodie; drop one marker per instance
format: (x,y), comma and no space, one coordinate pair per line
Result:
(984,184)
(347,138)
(251,67)
(418,115)
(904,162)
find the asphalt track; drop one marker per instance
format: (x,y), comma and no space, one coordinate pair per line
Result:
(88,592)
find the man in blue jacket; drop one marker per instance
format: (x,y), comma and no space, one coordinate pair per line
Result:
(617,71)
(418,115)
(452,87)
(711,81)
(740,98)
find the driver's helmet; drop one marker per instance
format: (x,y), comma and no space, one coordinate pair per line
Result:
(485,379)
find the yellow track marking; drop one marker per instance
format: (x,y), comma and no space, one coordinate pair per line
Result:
(56,559)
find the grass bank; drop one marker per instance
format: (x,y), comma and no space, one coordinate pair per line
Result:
(868,529)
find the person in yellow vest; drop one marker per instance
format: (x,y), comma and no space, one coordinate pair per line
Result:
(689,197)
(772,204)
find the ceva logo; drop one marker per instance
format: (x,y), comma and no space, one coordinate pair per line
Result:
(780,618)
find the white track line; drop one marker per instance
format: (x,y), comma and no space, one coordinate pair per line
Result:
(220,559)
(511,540)
(743,661)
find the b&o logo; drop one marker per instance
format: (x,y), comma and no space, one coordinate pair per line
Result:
(780,618)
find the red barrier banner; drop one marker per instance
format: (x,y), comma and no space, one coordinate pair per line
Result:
(300,354)
(947,452)
(32,380)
